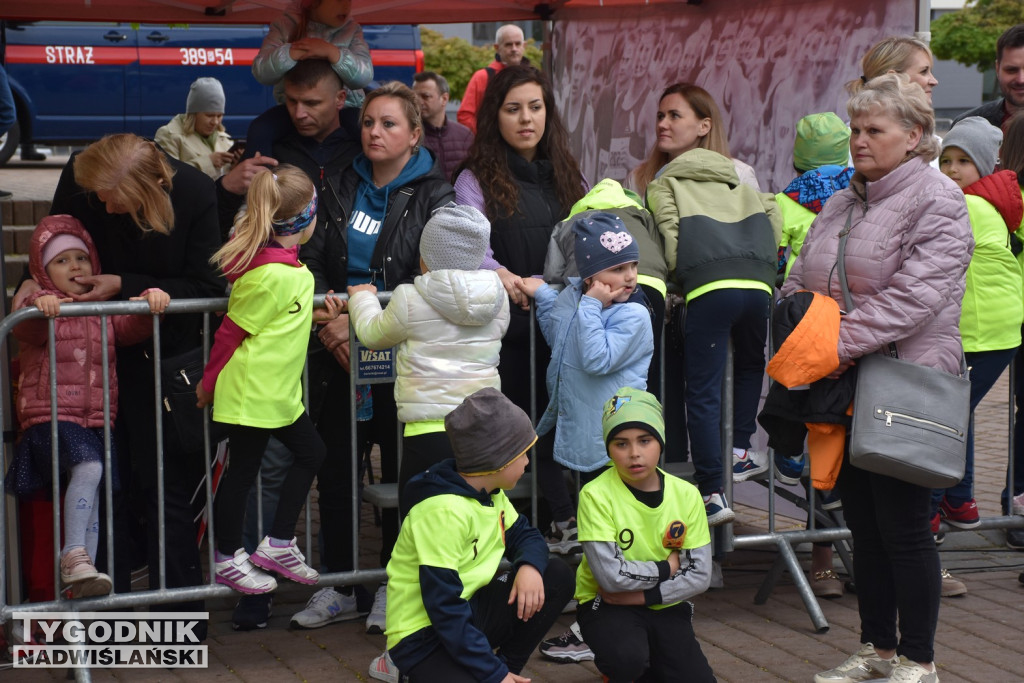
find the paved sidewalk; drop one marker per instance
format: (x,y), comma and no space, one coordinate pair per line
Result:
(980,636)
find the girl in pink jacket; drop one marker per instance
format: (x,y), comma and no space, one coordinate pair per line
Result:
(62,251)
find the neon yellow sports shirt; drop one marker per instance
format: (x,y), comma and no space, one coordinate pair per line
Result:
(608,511)
(449,531)
(261,385)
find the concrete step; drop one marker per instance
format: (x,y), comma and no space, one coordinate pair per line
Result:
(23,211)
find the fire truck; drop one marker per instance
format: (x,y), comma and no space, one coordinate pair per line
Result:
(75,82)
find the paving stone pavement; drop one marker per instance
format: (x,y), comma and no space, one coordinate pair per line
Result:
(980,636)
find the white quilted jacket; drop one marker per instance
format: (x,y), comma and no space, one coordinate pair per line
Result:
(447,327)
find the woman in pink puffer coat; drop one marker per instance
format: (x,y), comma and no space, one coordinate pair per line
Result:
(62,251)
(906,258)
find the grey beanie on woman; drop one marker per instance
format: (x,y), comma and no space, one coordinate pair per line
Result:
(205,96)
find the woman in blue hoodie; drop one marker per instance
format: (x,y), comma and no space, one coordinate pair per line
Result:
(388,193)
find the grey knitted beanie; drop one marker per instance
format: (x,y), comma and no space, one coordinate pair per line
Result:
(206,95)
(979,139)
(455,238)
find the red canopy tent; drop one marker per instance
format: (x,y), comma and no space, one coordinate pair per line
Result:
(265,11)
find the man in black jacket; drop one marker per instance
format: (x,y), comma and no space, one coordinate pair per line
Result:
(1010,74)
(323,148)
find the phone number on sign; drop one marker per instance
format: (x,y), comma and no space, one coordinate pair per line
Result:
(196,55)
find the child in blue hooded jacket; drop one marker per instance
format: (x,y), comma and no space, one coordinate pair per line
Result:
(601,338)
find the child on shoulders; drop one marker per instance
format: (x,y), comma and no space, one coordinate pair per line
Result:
(646,551)
(320,29)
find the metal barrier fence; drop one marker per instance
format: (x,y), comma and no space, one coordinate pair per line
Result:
(725,540)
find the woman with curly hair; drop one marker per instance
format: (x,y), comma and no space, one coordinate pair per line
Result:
(522,176)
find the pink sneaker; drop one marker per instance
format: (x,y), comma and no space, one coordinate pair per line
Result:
(242,575)
(286,561)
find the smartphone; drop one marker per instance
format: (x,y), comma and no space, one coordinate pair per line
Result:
(238,146)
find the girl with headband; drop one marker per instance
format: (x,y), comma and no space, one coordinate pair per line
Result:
(254,375)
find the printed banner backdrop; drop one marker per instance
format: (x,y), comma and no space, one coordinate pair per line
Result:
(767,64)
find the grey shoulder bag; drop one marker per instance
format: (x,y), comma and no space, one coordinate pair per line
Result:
(909,421)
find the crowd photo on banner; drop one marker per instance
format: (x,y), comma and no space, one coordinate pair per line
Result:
(520,318)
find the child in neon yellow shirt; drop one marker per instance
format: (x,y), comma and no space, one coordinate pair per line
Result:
(647,550)
(254,375)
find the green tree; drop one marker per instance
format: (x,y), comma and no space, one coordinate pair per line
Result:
(969,35)
(456,59)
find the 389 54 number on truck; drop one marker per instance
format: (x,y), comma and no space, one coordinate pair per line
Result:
(74,82)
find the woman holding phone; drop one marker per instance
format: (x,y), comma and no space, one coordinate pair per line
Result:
(197,137)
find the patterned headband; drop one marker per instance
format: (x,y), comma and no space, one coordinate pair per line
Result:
(298,222)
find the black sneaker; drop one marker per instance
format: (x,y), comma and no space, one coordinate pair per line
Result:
(563,541)
(568,647)
(1015,539)
(252,612)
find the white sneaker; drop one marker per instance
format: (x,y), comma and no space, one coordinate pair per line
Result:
(748,465)
(907,671)
(375,620)
(242,575)
(863,665)
(383,669)
(327,606)
(286,561)
(718,510)
(1018,504)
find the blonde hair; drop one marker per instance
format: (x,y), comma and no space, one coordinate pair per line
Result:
(188,125)
(890,54)
(905,103)
(135,174)
(704,106)
(272,196)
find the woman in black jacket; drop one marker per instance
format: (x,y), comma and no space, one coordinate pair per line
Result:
(388,193)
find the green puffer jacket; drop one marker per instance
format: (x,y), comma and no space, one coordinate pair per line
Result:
(718,233)
(608,196)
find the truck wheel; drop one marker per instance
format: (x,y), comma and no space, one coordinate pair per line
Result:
(9,143)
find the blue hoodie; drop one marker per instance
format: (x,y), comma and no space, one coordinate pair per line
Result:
(370,209)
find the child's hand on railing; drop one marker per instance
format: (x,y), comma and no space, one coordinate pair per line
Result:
(331,310)
(529,286)
(361,288)
(50,304)
(158,299)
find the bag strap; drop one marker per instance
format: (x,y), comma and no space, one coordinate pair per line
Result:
(844,235)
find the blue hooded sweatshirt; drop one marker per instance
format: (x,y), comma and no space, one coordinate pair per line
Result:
(370,209)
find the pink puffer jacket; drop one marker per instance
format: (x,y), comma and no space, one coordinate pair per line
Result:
(906,259)
(79,351)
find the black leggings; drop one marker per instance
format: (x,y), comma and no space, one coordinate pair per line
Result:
(247,445)
(514,639)
(632,641)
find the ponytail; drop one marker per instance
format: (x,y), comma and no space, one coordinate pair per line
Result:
(276,195)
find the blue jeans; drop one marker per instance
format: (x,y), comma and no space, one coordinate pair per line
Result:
(986,367)
(712,319)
